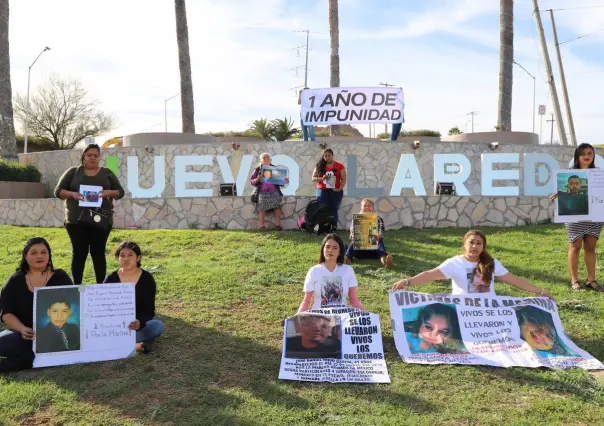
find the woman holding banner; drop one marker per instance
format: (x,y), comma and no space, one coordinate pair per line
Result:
(472,272)
(88,228)
(583,234)
(147,328)
(17,303)
(330,177)
(330,283)
(268,195)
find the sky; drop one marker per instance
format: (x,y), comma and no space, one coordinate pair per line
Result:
(443,53)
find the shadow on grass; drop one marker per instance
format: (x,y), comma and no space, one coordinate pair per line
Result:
(199,375)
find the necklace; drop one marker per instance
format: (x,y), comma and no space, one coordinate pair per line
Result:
(30,284)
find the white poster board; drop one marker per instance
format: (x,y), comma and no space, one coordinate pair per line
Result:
(580,195)
(499,331)
(334,345)
(83,323)
(92,196)
(344,105)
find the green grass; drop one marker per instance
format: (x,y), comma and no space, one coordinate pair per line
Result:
(223,295)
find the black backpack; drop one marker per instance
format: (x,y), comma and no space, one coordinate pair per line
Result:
(317,218)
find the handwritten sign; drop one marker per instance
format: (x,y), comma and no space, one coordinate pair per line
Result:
(580,195)
(334,345)
(101,312)
(483,330)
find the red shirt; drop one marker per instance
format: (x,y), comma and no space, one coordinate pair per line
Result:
(333,173)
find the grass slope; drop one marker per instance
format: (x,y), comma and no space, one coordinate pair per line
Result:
(223,295)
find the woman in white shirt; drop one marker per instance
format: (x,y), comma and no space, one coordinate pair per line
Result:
(330,283)
(472,272)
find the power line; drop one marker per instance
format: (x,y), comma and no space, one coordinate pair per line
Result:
(583,36)
(576,8)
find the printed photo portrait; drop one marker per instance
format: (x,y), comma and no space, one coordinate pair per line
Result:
(313,336)
(538,330)
(58,320)
(573,197)
(433,329)
(91,196)
(332,292)
(476,284)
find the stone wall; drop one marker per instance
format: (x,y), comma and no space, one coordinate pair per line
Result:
(371,166)
(238,212)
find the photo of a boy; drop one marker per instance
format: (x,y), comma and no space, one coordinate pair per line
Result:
(54,331)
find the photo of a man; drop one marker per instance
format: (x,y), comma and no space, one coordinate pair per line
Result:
(572,196)
(56,328)
(313,336)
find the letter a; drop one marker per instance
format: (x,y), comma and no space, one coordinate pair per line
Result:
(407,176)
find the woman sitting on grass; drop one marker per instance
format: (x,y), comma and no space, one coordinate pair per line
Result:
(331,282)
(147,329)
(17,303)
(474,271)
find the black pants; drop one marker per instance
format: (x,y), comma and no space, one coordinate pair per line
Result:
(84,239)
(15,352)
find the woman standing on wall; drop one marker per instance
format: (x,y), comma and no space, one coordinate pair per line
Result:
(583,234)
(88,227)
(330,177)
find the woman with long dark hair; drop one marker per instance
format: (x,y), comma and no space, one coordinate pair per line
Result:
(474,271)
(88,233)
(17,303)
(583,234)
(147,328)
(330,282)
(330,177)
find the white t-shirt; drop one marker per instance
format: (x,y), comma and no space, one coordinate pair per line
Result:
(330,288)
(464,278)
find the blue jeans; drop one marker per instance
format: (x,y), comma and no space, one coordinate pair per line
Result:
(366,254)
(333,200)
(308,131)
(151,331)
(15,352)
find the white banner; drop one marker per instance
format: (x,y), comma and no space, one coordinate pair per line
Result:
(580,195)
(83,323)
(344,105)
(483,330)
(334,345)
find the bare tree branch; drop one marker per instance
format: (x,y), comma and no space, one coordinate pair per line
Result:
(61,114)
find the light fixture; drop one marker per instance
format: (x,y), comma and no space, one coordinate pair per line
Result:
(149,149)
(228,189)
(494,145)
(445,188)
(323,145)
(416,144)
(235,146)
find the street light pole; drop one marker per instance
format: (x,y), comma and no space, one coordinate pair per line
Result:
(166,111)
(27,109)
(534,90)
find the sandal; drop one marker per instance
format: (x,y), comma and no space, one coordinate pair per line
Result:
(278,228)
(593,285)
(576,285)
(263,229)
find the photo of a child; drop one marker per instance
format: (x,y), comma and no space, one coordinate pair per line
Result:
(57,320)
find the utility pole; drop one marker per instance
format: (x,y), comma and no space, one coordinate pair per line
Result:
(550,76)
(306,62)
(569,115)
(386,85)
(473,113)
(551,138)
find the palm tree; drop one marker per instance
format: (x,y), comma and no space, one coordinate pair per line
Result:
(506,64)
(184,64)
(8,144)
(334,58)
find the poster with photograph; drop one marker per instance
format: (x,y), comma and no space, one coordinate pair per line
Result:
(83,323)
(274,175)
(580,195)
(477,329)
(365,231)
(333,345)
(92,196)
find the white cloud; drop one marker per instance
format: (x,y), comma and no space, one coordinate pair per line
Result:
(242,56)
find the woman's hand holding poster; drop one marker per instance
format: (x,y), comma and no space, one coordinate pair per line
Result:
(334,345)
(483,330)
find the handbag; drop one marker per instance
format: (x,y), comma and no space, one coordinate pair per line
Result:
(256,190)
(97,216)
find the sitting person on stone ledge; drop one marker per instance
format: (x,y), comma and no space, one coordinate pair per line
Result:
(269,195)
(367,206)
(474,271)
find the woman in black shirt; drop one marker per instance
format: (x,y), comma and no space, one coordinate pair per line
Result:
(147,329)
(17,300)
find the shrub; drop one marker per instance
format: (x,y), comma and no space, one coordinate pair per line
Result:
(12,171)
(421,132)
(283,129)
(383,135)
